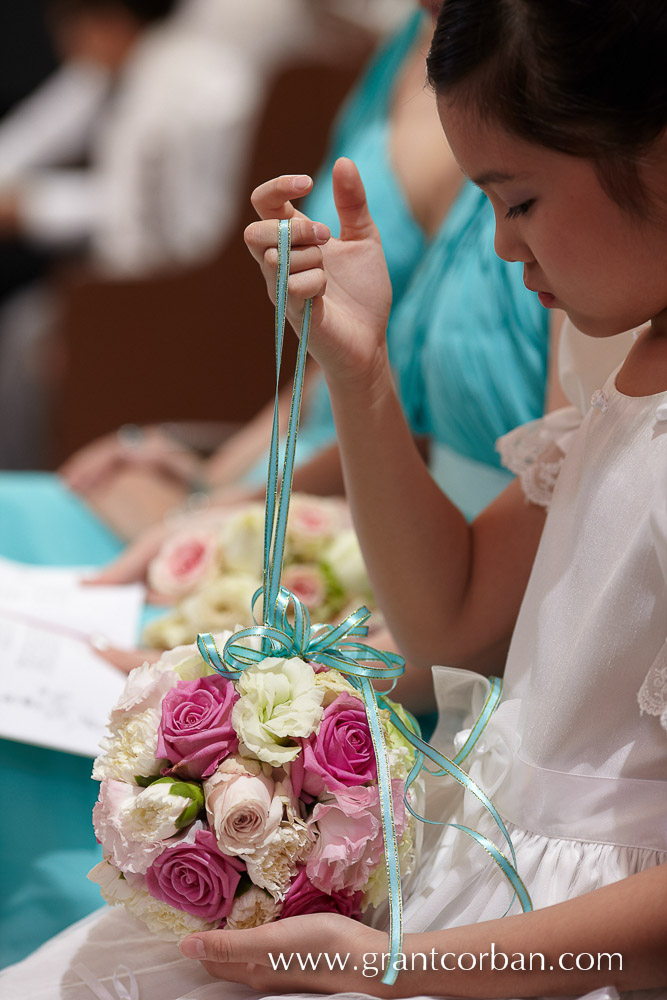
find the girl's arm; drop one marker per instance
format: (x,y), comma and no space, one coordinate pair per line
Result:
(619,931)
(449,591)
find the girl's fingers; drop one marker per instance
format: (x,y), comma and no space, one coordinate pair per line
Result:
(262,236)
(300,260)
(272,199)
(356,222)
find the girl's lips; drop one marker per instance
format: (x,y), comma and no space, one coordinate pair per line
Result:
(546,299)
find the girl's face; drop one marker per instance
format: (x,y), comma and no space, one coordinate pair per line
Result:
(581,251)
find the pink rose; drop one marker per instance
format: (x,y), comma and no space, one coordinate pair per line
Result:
(196,730)
(307,583)
(196,877)
(183,562)
(126,854)
(351,844)
(304,897)
(340,755)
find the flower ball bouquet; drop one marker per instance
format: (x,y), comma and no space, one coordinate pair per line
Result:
(232,803)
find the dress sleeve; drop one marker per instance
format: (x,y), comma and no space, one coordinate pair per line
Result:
(652,695)
(535,451)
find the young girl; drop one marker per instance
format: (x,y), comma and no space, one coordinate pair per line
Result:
(558,110)
(571,151)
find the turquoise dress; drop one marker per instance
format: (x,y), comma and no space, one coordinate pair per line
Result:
(469,347)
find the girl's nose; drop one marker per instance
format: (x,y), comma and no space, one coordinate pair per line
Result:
(508,244)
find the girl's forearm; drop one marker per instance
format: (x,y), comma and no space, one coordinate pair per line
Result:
(619,931)
(416,544)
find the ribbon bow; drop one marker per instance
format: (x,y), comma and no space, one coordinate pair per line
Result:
(286,631)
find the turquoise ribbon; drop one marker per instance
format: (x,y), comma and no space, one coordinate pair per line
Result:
(286,631)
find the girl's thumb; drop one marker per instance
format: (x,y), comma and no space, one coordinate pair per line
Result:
(355,219)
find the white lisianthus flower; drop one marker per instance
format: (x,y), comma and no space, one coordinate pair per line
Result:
(345,562)
(242,541)
(334,683)
(252,909)
(243,809)
(279,701)
(156,813)
(274,868)
(130,751)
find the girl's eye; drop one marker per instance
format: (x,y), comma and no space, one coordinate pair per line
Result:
(516,210)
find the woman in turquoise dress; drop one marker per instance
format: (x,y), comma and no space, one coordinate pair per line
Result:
(462,326)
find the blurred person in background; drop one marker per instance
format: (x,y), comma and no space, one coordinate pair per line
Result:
(161,111)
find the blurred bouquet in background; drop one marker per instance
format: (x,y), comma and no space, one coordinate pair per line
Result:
(235,803)
(212,571)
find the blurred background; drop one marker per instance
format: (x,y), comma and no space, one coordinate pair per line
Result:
(131,136)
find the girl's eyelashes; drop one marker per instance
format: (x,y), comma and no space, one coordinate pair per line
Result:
(516,210)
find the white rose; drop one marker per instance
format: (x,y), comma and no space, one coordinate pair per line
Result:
(279,701)
(254,908)
(153,815)
(221,604)
(130,751)
(242,541)
(242,806)
(275,867)
(345,562)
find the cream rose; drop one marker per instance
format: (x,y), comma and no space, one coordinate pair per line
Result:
(279,702)
(252,909)
(243,810)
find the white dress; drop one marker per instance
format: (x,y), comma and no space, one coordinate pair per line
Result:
(575,756)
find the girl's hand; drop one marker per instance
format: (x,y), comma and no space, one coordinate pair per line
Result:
(334,950)
(347,278)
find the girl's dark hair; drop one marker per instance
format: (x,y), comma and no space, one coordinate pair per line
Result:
(583,77)
(143,10)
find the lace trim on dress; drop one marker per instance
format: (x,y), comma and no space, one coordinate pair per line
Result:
(535,451)
(652,695)
(537,466)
